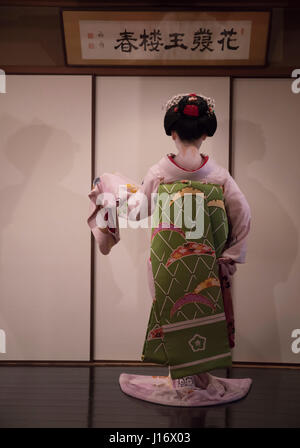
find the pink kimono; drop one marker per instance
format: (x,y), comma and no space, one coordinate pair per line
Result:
(239,217)
(167,171)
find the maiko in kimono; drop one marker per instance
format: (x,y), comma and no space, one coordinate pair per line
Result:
(200,222)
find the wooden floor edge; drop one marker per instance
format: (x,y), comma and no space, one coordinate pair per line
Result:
(125,363)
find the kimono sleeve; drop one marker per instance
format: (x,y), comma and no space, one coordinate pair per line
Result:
(105,237)
(239,219)
(141,204)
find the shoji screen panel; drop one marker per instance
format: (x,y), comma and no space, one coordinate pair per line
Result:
(129,139)
(45,164)
(266,166)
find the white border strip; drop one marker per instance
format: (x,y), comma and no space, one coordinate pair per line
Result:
(194,323)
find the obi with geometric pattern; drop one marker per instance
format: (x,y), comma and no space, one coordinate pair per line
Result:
(187,328)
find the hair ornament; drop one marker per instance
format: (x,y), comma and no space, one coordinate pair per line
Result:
(174,101)
(192,110)
(192,97)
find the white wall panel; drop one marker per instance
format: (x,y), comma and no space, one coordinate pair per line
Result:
(45,156)
(129,139)
(266,166)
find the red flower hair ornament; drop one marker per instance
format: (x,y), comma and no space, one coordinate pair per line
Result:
(192,110)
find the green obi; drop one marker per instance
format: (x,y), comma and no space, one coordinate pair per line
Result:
(187,327)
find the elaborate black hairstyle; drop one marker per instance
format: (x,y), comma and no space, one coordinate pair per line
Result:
(191,116)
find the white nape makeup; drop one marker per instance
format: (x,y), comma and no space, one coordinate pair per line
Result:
(188,155)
